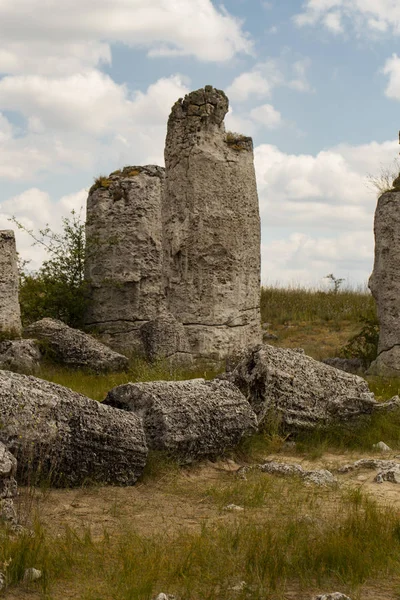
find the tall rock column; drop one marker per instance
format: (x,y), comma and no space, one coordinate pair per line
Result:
(124,256)
(211,227)
(10,315)
(384,283)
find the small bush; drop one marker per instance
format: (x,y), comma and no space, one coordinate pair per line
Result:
(364,345)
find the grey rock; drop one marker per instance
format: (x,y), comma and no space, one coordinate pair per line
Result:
(320,477)
(10,315)
(369,463)
(3,581)
(165,338)
(332,596)
(31,574)
(382,447)
(21,356)
(8,487)
(269,336)
(73,348)
(350,365)
(301,392)
(189,419)
(233,508)
(391,474)
(211,227)
(124,259)
(384,283)
(66,437)
(163,596)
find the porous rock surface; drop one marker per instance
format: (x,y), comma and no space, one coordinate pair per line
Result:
(332,596)
(10,315)
(67,437)
(22,356)
(124,259)
(8,487)
(301,392)
(384,283)
(165,338)
(189,419)
(321,477)
(211,227)
(74,348)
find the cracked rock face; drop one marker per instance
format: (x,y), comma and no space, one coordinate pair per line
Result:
(124,258)
(384,283)
(301,392)
(74,348)
(10,315)
(211,227)
(189,419)
(66,437)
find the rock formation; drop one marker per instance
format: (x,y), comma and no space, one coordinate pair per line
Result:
(10,316)
(211,227)
(124,257)
(384,283)
(301,392)
(63,436)
(165,338)
(22,356)
(73,348)
(8,488)
(189,419)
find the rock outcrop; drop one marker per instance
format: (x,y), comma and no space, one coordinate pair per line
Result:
(300,392)
(189,419)
(384,283)
(8,488)
(73,348)
(124,257)
(10,315)
(211,227)
(22,356)
(60,435)
(164,338)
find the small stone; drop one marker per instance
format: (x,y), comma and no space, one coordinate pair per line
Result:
(32,575)
(239,587)
(233,507)
(269,336)
(392,475)
(333,596)
(163,596)
(382,447)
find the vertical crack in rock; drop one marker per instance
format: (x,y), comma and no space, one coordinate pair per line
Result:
(10,316)
(211,227)
(384,283)
(124,257)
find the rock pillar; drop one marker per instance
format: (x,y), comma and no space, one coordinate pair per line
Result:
(124,253)
(384,283)
(211,227)
(10,315)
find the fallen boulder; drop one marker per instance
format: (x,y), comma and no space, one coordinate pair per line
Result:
(62,436)
(73,348)
(301,392)
(189,419)
(22,356)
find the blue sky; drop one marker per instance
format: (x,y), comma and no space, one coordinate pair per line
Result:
(86,87)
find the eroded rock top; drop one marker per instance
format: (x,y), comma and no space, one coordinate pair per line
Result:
(204,105)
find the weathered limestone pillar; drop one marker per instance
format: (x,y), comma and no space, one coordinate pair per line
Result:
(10,315)
(384,283)
(124,257)
(211,227)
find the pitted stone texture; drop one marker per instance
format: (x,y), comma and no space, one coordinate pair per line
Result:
(332,596)
(189,419)
(211,227)
(8,487)
(300,391)
(67,437)
(384,283)
(22,356)
(124,258)
(165,338)
(10,315)
(320,477)
(73,348)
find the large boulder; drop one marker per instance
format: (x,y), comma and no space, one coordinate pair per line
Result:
(22,356)
(189,419)
(302,392)
(62,435)
(73,348)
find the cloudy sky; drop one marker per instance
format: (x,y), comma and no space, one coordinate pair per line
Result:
(86,87)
